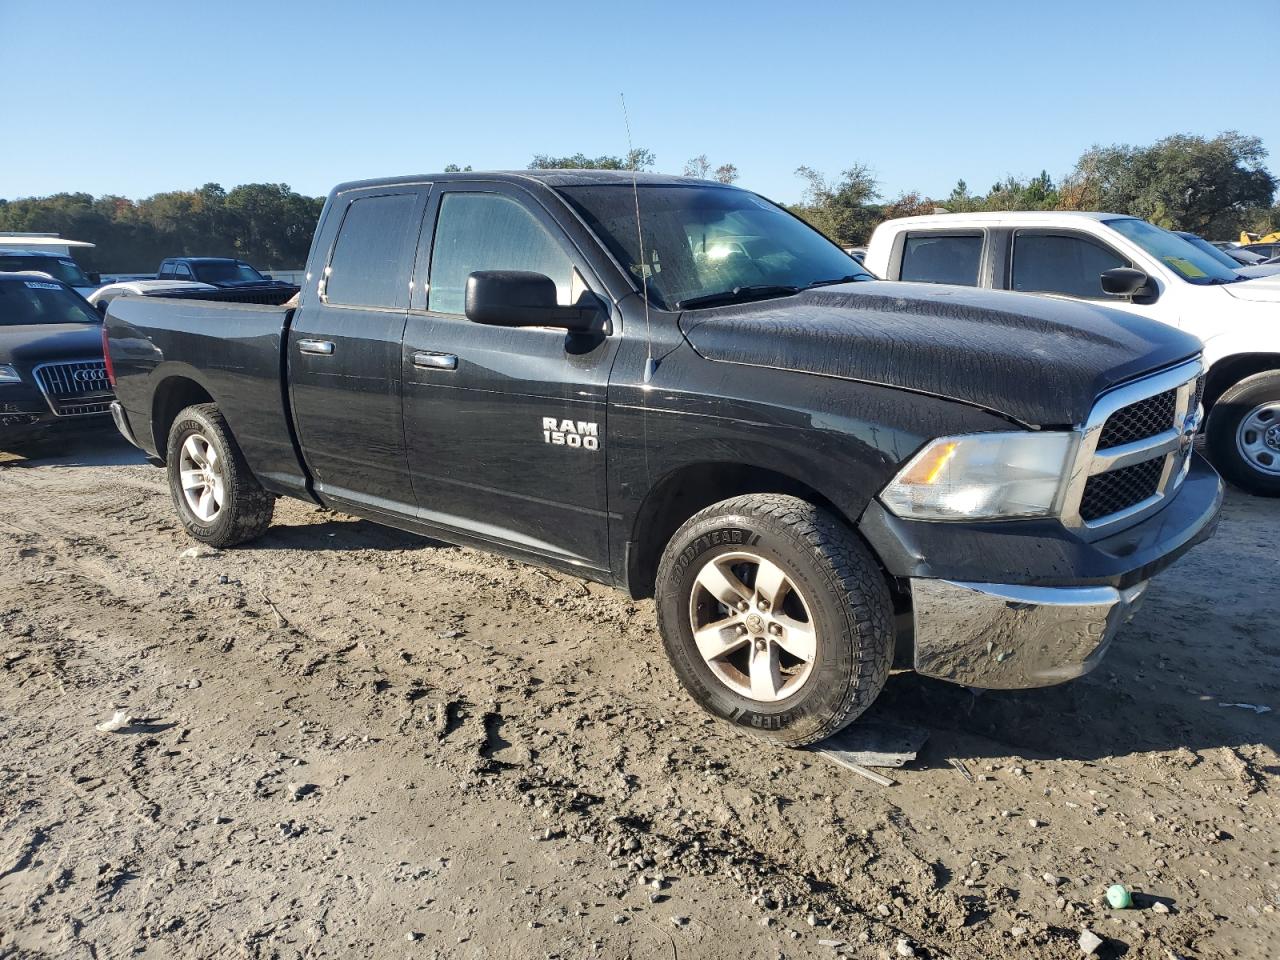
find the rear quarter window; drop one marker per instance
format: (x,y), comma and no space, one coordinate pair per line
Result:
(942,258)
(373,254)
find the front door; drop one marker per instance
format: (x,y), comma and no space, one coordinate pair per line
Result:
(344,352)
(506,426)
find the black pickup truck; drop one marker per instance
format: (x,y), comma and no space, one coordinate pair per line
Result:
(814,473)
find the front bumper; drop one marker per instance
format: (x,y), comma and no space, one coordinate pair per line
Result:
(22,409)
(1027,603)
(1005,637)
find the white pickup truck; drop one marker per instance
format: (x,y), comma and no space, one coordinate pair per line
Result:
(1123,262)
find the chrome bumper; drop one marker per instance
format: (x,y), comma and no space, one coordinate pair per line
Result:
(1002,637)
(122,423)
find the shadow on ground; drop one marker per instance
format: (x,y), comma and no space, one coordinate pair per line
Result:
(340,533)
(93,445)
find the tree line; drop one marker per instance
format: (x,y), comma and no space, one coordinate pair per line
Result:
(1215,187)
(267,224)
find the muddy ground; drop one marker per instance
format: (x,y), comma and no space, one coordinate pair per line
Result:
(351,742)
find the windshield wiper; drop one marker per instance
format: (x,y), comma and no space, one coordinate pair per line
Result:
(759,291)
(849,279)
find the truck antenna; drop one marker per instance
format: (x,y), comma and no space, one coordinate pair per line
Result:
(650,365)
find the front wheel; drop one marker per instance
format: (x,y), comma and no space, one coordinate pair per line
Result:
(218,499)
(775,617)
(1243,434)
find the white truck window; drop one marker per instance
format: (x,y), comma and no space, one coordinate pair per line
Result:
(939,258)
(1071,266)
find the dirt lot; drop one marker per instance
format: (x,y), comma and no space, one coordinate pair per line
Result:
(350,742)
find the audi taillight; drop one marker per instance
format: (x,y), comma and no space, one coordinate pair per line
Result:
(106,357)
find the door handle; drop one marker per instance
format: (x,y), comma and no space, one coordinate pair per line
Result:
(319,348)
(435,361)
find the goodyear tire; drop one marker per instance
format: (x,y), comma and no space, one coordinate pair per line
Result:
(775,617)
(1243,434)
(218,499)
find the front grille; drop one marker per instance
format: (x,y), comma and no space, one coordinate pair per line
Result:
(1109,493)
(1199,396)
(1134,450)
(75,388)
(1140,420)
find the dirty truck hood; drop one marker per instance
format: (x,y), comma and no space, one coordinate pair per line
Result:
(1038,360)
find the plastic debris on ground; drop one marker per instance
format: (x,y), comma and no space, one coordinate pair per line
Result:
(119,720)
(1119,897)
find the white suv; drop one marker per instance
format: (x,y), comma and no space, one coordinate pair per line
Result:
(1126,263)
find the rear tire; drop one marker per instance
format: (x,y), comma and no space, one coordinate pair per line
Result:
(1243,434)
(799,584)
(218,499)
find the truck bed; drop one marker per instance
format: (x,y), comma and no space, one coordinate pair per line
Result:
(169,353)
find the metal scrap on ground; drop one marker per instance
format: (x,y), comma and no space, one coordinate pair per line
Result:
(874,744)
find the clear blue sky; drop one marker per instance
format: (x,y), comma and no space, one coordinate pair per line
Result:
(138,97)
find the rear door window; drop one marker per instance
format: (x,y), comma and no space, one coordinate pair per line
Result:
(489,231)
(182,271)
(373,255)
(942,258)
(1067,264)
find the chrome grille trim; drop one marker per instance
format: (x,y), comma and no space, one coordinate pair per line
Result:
(1173,445)
(74,388)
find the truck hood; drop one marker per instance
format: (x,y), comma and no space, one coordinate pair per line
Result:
(1257,290)
(1038,360)
(30,344)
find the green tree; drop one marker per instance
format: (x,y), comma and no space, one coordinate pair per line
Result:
(267,224)
(726,173)
(700,167)
(1183,182)
(842,209)
(637,159)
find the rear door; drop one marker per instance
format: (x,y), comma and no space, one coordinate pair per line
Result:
(506,426)
(344,350)
(941,256)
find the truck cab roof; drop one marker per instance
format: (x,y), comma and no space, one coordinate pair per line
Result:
(1009,217)
(549,178)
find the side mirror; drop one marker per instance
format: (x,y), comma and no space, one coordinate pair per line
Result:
(95,278)
(102,306)
(267,276)
(1127,282)
(519,298)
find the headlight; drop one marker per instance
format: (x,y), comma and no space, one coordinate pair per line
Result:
(9,375)
(983,476)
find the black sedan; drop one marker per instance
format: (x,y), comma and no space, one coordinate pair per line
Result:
(51,365)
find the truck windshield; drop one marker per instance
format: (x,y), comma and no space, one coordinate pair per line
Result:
(1187,261)
(60,268)
(225,271)
(32,300)
(1209,250)
(705,244)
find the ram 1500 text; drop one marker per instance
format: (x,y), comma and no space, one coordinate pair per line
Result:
(719,408)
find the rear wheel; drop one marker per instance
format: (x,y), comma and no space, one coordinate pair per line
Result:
(775,617)
(1243,434)
(218,499)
